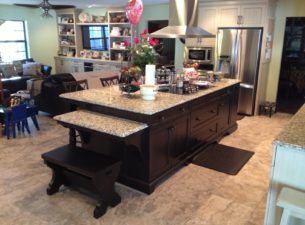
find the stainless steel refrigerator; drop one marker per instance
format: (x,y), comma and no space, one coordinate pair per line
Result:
(238,55)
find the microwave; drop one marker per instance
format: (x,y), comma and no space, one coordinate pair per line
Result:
(204,55)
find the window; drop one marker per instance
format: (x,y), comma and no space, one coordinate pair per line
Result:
(13,44)
(96,37)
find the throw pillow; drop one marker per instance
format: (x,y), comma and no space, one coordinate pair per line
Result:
(31,69)
(18,67)
(7,70)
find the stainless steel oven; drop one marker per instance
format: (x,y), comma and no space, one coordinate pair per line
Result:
(201,55)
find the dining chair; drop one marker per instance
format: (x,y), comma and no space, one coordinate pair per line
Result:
(15,117)
(71,86)
(32,111)
(109,81)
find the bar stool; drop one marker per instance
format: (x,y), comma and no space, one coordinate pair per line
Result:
(293,204)
(267,107)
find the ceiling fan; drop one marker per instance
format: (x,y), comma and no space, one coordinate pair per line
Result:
(46,6)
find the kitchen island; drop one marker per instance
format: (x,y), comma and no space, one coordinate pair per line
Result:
(287,169)
(166,133)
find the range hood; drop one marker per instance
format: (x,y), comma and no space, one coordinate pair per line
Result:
(183,17)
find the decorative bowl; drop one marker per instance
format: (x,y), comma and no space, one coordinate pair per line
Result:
(129,88)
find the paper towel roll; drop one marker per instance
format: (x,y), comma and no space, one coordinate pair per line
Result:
(150,74)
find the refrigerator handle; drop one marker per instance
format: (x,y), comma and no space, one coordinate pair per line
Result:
(234,61)
(238,51)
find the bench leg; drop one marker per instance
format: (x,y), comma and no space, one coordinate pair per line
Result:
(104,184)
(56,181)
(285,217)
(107,198)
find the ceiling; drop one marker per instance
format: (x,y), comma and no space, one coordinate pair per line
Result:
(82,3)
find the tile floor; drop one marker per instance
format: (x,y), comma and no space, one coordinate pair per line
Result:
(192,196)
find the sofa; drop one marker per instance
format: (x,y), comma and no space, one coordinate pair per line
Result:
(48,100)
(14,75)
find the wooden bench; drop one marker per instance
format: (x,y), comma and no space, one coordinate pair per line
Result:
(75,165)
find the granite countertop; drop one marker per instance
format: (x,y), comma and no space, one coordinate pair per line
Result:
(113,97)
(102,123)
(293,135)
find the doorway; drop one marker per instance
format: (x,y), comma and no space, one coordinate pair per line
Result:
(291,88)
(166,48)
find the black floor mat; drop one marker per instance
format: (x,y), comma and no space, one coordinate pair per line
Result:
(223,158)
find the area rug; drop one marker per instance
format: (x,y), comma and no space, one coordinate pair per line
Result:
(223,158)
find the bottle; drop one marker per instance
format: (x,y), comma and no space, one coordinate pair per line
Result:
(179,81)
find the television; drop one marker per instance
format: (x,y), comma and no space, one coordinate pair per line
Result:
(95,37)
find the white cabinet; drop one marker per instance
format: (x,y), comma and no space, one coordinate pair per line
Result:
(253,15)
(207,19)
(211,17)
(63,65)
(228,16)
(76,65)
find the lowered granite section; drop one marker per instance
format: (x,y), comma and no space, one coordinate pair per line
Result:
(293,134)
(102,123)
(113,97)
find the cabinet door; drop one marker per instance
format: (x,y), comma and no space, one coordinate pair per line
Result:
(159,144)
(253,15)
(179,138)
(77,67)
(207,19)
(100,67)
(224,113)
(67,66)
(228,16)
(168,145)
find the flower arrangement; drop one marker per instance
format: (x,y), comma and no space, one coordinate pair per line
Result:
(142,49)
(130,74)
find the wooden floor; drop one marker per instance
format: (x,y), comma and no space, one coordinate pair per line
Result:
(192,196)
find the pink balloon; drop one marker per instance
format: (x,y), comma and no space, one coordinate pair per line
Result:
(134,11)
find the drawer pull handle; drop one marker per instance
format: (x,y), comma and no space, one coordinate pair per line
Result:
(183,109)
(222,104)
(211,130)
(213,111)
(171,129)
(162,117)
(197,119)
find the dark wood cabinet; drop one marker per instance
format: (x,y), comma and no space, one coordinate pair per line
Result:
(172,138)
(224,113)
(168,145)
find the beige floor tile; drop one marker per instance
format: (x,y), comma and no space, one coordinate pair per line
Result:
(192,196)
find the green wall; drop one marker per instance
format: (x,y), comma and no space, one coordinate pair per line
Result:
(42,33)
(161,12)
(153,12)
(285,8)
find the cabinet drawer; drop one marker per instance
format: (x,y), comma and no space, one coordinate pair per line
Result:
(169,114)
(204,113)
(204,133)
